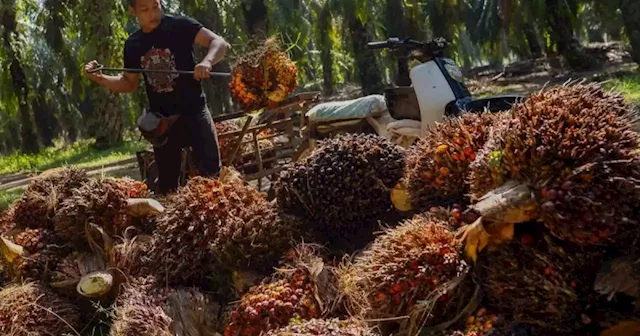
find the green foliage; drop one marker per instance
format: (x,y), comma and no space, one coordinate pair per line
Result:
(7,197)
(81,154)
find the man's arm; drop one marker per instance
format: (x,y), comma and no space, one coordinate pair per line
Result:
(126,83)
(217,48)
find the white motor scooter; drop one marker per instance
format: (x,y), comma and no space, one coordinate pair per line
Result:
(421,97)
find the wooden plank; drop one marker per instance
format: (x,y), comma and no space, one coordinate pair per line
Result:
(256,127)
(226,117)
(236,147)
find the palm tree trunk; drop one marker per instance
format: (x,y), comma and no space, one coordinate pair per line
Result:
(322,31)
(395,25)
(631,16)
(255,16)
(366,63)
(106,121)
(561,31)
(29,139)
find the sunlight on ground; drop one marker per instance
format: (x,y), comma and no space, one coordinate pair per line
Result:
(630,86)
(80,154)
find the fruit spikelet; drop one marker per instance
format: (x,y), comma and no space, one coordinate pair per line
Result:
(416,261)
(575,147)
(320,327)
(342,188)
(263,77)
(438,164)
(483,324)
(39,202)
(294,292)
(33,309)
(7,222)
(98,204)
(547,291)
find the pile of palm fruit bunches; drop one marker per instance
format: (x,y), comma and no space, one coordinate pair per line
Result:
(522,222)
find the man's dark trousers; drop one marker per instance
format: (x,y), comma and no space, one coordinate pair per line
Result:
(196,130)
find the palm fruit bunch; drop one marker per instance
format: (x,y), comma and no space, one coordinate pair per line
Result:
(483,324)
(342,188)
(226,144)
(6,219)
(574,147)
(263,77)
(97,204)
(438,164)
(33,309)
(540,281)
(31,253)
(334,327)
(139,310)
(195,218)
(38,204)
(144,309)
(259,240)
(416,261)
(294,292)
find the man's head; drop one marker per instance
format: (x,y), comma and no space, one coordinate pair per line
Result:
(148,12)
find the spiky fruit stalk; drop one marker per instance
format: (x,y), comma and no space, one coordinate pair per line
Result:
(574,147)
(296,291)
(550,290)
(33,309)
(320,327)
(97,205)
(437,166)
(417,260)
(38,204)
(7,222)
(481,323)
(343,187)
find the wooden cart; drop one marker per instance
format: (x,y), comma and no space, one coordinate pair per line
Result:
(243,147)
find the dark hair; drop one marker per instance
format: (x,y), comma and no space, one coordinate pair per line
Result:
(132,3)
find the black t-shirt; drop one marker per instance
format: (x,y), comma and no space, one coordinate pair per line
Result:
(169,46)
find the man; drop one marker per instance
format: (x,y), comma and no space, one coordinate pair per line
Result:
(166,42)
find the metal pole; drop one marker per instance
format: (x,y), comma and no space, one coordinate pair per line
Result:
(181,72)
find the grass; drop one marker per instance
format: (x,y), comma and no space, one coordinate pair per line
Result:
(80,154)
(7,197)
(629,85)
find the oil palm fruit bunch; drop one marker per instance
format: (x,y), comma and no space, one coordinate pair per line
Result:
(39,202)
(408,270)
(540,281)
(437,166)
(7,222)
(100,204)
(483,324)
(31,254)
(194,218)
(566,156)
(263,77)
(146,310)
(258,240)
(226,144)
(320,327)
(297,291)
(139,310)
(33,309)
(342,187)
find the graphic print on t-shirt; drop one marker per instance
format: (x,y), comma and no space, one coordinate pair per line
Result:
(161,59)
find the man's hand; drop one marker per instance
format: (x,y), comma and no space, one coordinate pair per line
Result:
(202,70)
(94,76)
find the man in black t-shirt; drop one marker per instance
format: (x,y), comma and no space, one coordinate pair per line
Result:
(166,42)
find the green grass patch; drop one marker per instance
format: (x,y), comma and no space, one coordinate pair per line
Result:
(8,196)
(629,85)
(80,154)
